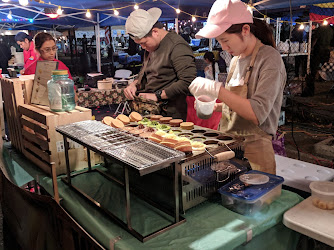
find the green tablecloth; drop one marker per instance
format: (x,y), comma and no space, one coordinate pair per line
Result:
(208,226)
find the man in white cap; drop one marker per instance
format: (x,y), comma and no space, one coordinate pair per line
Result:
(169,64)
(253,93)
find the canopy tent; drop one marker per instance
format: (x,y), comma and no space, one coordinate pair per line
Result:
(33,15)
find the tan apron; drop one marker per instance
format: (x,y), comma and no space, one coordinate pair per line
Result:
(258,146)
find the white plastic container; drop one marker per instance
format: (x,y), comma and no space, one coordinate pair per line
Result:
(323,194)
(204,106)
(252,198)
(299,174)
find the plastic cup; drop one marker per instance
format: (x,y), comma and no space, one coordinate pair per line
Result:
(204,106)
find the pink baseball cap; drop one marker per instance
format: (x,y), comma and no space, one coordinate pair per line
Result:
(222,15)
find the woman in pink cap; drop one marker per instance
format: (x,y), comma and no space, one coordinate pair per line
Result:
(252,97)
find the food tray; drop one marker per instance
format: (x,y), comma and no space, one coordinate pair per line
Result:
(141,154)
(250,199)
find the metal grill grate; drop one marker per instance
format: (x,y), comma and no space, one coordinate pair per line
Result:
(134,151)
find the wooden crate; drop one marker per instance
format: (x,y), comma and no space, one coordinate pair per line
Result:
(15,92)
(43,145)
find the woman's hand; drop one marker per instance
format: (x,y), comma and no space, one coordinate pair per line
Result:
(218,107)
(201,86)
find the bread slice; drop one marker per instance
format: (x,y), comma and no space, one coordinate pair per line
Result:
(172,141)
(123,118)
(175,122)
(155,137)
(117,123)
(184,146)
(165,120)
(145,134)
(168,144)
(107,120)
(155,117)
(135,117)
(187,125)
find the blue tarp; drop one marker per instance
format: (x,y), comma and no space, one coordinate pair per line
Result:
(197,7)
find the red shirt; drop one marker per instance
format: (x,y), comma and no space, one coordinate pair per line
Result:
(32,67)
(29,55)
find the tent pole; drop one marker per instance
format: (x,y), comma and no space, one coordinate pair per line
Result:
(278,30)
(309,48)
(98,43)
(54,36)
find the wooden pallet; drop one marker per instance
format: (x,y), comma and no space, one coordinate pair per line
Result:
(15,92)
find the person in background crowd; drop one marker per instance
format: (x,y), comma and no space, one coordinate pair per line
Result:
(297,35)
(5,55)
(212,70)
(122,40)
(321,41)
(28,46)
(46,46)
(226,57)
(252,97)
(169,64)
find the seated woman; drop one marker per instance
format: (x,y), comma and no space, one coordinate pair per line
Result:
(46,46)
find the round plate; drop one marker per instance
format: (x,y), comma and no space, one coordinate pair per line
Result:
(254,179)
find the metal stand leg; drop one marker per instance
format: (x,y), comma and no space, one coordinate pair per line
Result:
(126,108)
(89,162)
(68,169)
(127,196)
(176,193)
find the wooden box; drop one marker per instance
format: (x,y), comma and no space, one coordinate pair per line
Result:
(15,92)
(43,145)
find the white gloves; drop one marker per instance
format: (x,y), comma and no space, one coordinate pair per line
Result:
(202,86)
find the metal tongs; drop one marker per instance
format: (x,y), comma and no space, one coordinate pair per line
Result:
(220,165)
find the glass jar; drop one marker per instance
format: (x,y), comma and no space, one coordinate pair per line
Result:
(61,91)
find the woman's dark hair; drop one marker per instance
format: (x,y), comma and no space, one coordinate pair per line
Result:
(211,58)
(258,28)
(41,38)
(21,36)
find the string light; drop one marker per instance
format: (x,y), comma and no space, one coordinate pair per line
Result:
(88,14)
(301,27)
(23,2)
(250,8)
(177,10)
(9,16)
(59,11)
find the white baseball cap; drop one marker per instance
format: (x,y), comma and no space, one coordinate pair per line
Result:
(140,22)
(223,14)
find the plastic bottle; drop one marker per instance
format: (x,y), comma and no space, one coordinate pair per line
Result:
(61,91)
